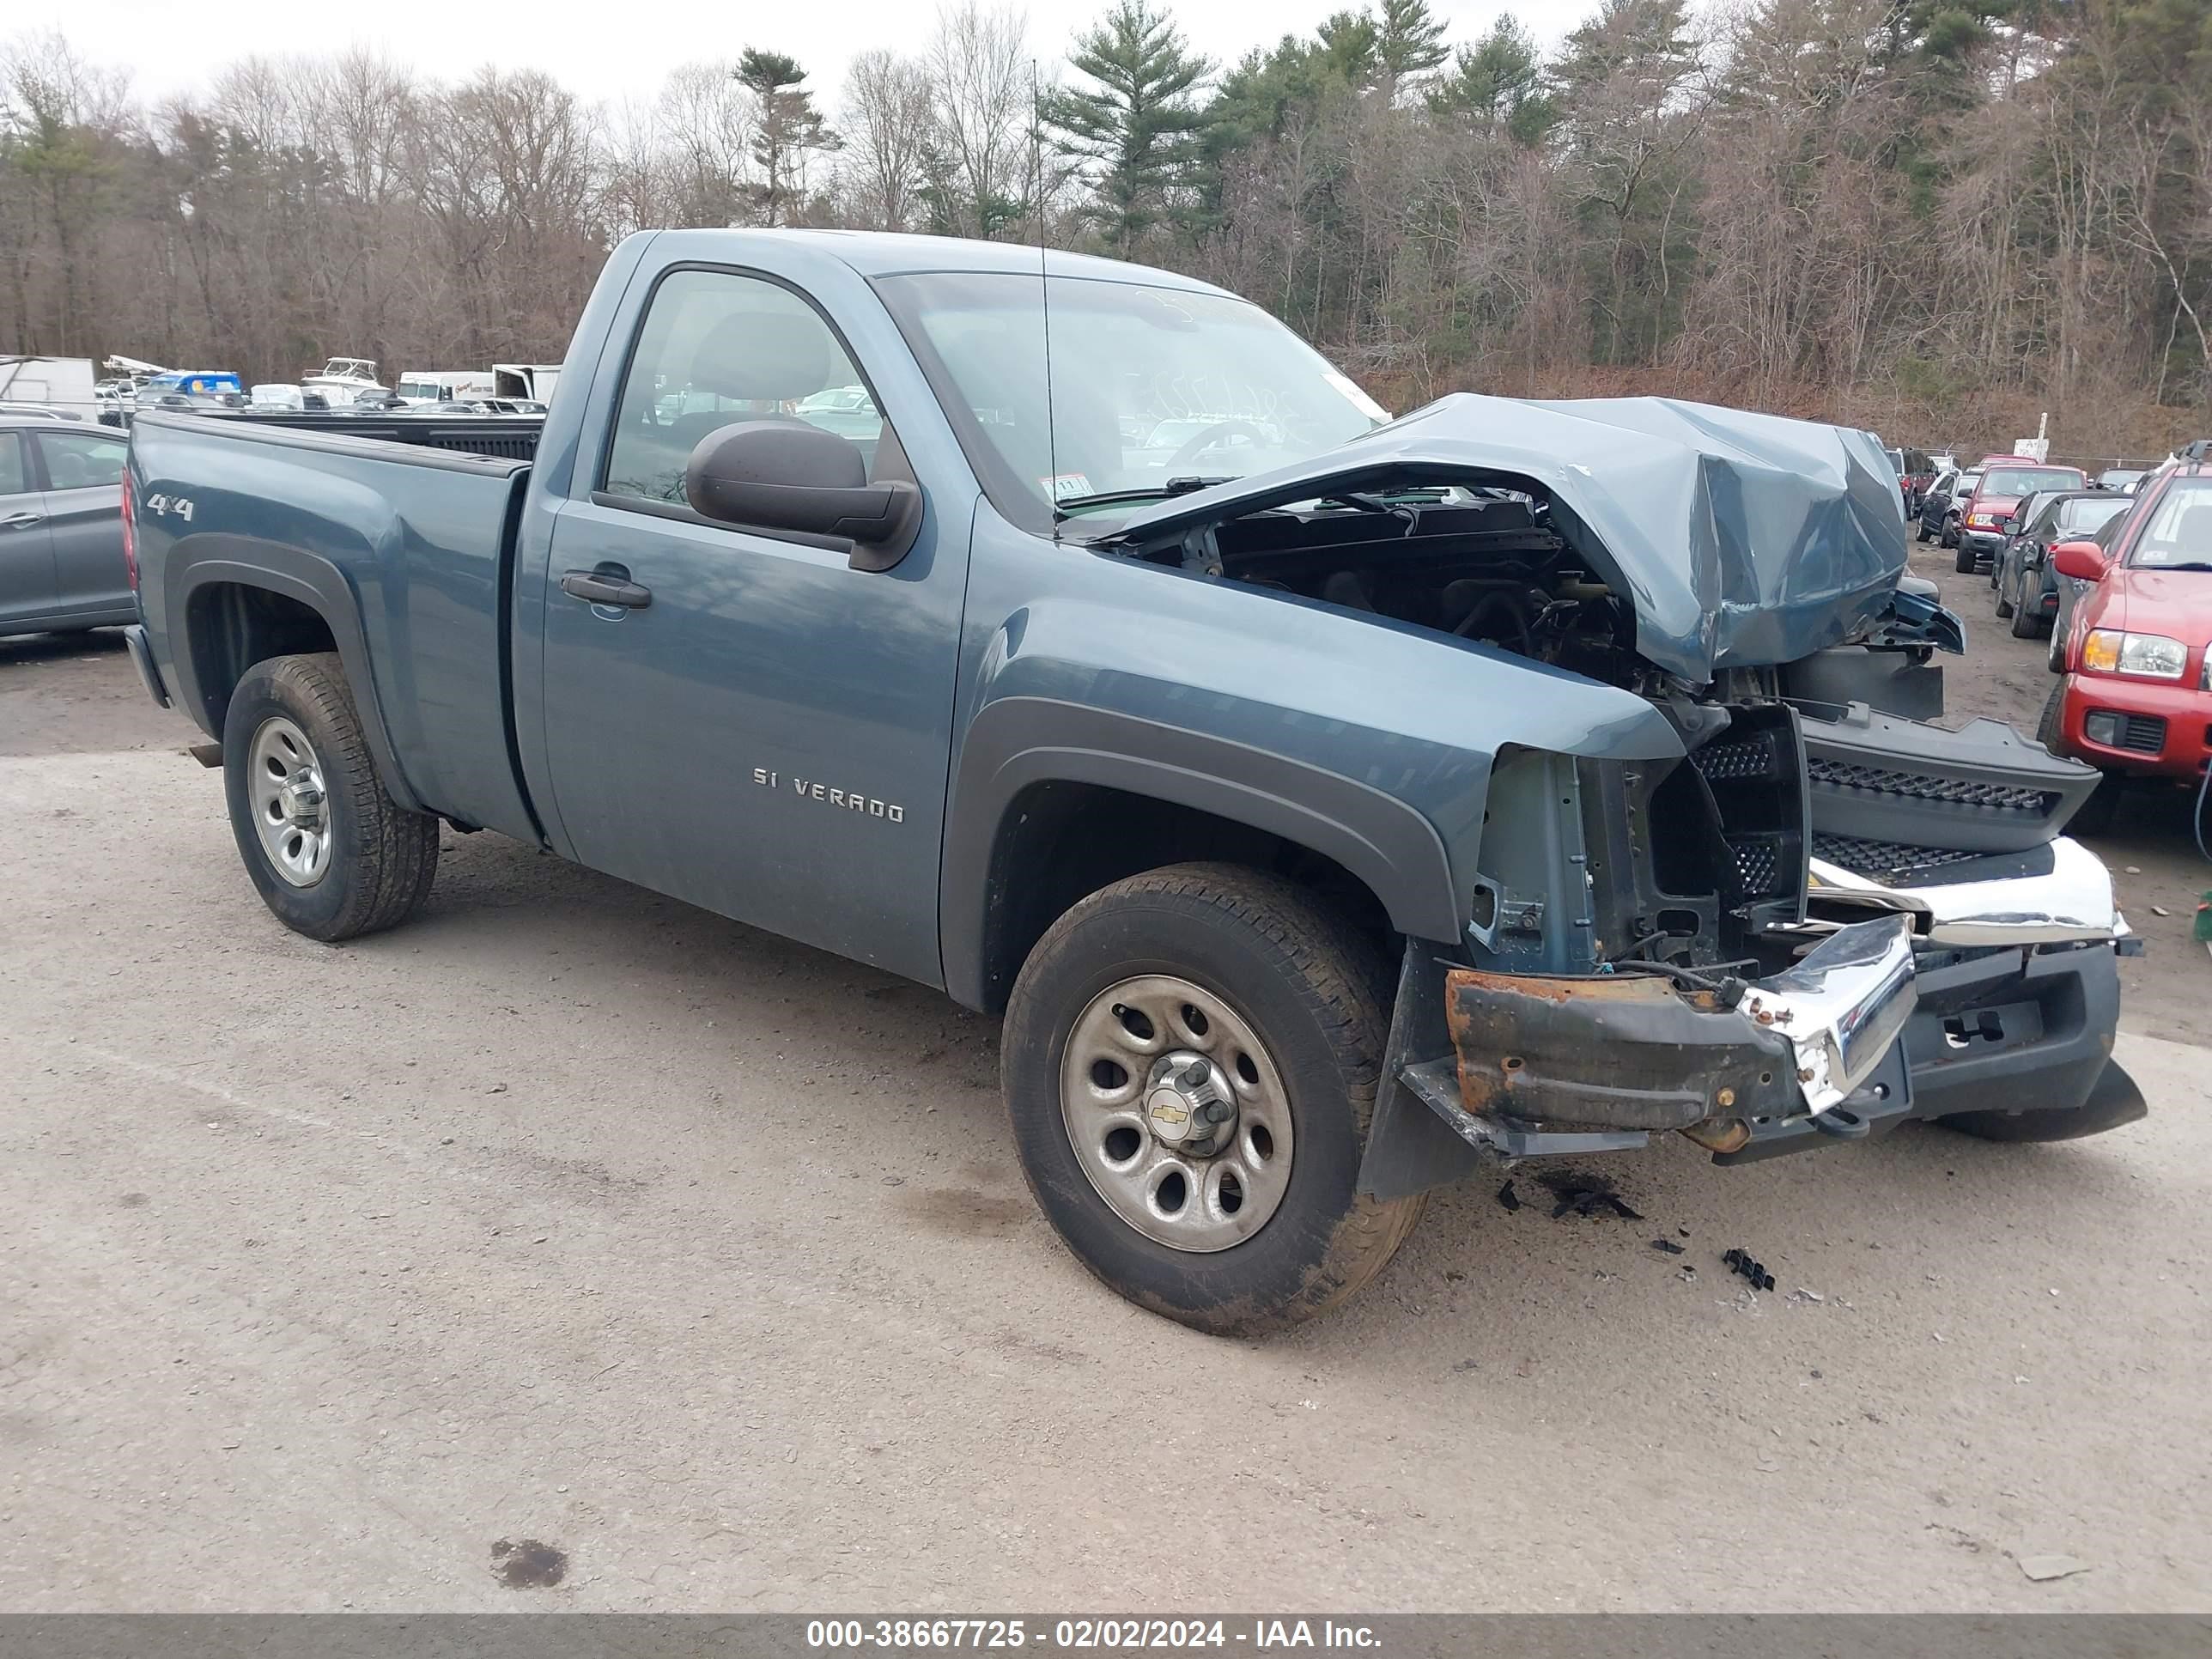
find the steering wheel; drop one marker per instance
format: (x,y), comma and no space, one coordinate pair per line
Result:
(1198,443)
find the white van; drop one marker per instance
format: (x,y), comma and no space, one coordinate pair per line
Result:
(424,387)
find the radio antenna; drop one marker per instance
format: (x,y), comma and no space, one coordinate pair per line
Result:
(1044,294)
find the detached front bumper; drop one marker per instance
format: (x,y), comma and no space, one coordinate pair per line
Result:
(1996,988)
(1982,544)
(1643,1052)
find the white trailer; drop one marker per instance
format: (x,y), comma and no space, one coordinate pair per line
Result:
(533,380)
(64,383)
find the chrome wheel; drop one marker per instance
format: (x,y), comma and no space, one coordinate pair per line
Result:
(284,781)
(1176,1113)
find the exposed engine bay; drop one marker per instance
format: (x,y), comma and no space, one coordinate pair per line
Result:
(1482,564)
(1692,863)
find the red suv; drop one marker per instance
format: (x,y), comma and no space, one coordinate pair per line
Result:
(1985,518)
(2136,698)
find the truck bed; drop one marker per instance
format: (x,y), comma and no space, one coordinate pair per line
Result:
(512,438)
(398,530)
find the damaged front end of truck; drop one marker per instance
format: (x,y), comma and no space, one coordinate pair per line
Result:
(1820,918)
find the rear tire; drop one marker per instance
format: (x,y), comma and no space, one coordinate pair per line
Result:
(353,862)
(1282,972)
(2025,624)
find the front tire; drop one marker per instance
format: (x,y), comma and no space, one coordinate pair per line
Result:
(2004,596)
(332,855)
(1148,1007)
(1964,564)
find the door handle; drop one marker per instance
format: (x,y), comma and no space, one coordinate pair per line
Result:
(21,521)
(608,585)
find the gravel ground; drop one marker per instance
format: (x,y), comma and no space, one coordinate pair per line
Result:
(570,1217)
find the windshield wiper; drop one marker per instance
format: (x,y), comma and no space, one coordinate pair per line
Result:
(1172,488)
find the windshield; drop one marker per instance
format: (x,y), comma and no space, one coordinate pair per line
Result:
(2003,480)
(2179,534)
(1897,461)
(1148,384)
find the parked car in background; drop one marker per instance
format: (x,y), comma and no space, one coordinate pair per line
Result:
(2121,478)
(2135,696)
(30,411)
(1939,514)
(514,406)
(191,382)
(62,566)
(1916,476)
(1986,517)
(2028,586)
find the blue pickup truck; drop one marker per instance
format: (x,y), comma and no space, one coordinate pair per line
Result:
(1334,807)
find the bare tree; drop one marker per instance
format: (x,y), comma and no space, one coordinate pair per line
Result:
(979,159)
(888,122)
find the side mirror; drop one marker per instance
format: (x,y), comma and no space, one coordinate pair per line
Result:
(2083,560)
(787,475)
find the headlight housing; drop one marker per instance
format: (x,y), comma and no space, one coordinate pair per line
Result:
(2204,676)
(2153,656)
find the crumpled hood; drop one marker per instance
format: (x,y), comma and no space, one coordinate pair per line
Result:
(1742,539)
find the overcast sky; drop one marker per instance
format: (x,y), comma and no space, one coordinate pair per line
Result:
(609,49)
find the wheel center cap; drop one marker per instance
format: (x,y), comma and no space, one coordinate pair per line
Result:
(1188,1103)
(302,801)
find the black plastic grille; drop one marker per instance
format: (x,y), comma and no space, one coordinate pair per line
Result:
(1746,758)
(1922,786)
(1885,858)
(512,447)
(1758,863)
(2143,734)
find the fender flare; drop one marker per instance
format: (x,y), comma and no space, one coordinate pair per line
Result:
(1016,742)
(214,559)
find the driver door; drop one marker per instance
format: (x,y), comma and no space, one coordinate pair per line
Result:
(767,733)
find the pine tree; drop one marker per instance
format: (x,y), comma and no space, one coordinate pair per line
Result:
(1137,123)
(788,126)
(1498,82)
(1409,41)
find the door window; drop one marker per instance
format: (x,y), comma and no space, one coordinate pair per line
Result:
(716,349)
(81,460)
(12,479)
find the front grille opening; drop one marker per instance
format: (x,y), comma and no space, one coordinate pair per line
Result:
(1730,760)
(1887,859)
(1924,786)
(1681,836)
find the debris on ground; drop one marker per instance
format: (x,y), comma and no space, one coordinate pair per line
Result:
(2044,1568)
(1584,1194)
(1667,1245)
(1801,1294)
(1741,1262)
(1508,1197)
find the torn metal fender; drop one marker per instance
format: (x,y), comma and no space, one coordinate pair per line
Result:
(1626,1051)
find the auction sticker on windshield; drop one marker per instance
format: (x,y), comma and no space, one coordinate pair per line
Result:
(1351,394)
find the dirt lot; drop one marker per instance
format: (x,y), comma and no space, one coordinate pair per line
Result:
(570,1217)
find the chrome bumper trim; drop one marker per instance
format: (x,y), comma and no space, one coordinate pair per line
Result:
(1842,1007)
